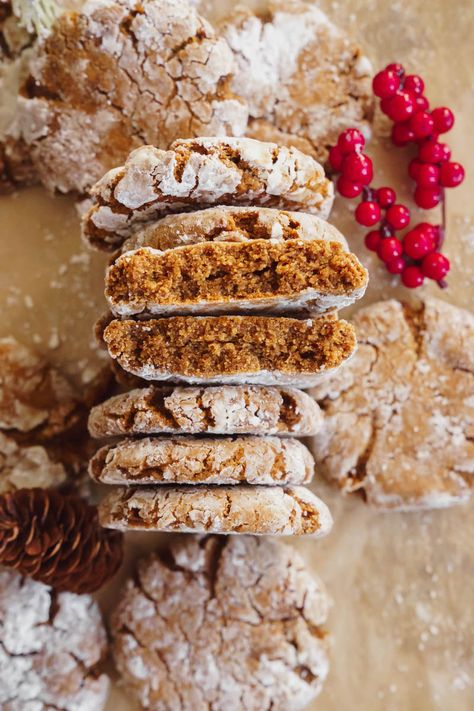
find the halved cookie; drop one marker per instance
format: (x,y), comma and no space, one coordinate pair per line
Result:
(257,510)
(231,277)
(231,349)
(240,409)
(201,172)
(230,224)
(207,460)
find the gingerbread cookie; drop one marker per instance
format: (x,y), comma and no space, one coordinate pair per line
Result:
(51,645)
(228,224)
(257,276)
(214,620)
(195,460)
(399,420)
(259,510)
(231,349)
(103,71)
(304,79)
(203,172)
(240,409)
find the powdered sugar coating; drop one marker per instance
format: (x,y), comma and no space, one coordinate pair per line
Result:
(50,646)
(244,409)
(259,510)
(105,70)
(304,79)
(202,172)
(219,620)
(26,467)
(399,419)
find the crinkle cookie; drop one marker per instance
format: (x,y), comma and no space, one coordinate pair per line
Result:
(204,460)
(258,510)
(203,172)
(232,350)
(229,224)
(258,276)
(399,419)
(23,466)
(120,74)
(215,620)
(51,645)
(239,409)
(304,79)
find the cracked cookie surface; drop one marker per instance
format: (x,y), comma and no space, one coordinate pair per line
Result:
(258,276)
(103,71)
(399,420)
(214,620)
(194,460)
(202,172)
(229,224)
(305,79)
(50,647)
(258,510)
(234,350)
(240,409)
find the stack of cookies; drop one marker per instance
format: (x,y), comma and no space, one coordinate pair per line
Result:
(223,289)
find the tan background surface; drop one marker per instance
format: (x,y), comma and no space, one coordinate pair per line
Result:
(403,619)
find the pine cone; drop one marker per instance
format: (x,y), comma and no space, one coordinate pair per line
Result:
(57,539)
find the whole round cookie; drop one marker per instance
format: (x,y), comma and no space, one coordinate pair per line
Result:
(215,620)
(304,78)
(203,172)
(120,74)
(50,647)
(221,410)
(399,418)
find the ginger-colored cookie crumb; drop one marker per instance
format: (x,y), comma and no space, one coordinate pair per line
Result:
(239,409)
(231,349)
(215,277)
(230,224)
(258,510)
(214,620)
(399,419)
(195,460)
(203,172)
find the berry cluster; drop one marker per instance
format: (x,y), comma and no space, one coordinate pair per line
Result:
(417,255)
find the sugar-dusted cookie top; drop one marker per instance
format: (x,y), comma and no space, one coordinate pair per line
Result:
(304,78)
(203,172)
(119,74)
(215,620)
(399,418)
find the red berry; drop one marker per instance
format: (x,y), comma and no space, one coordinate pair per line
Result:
(430,232)
(443,119)
(433,152)
(350,141)
(386,197)
(427,197)
(335,158)
(414,84)
(402,134)
(397,68)
(414,168)
(427,175)
(372,240)
(398,216)
(416,244)
(396,266)
(451,174)
(367,213)
(385,84)
(421,124)
(347,188)
(389,248)
(358,168)
(412,277)
(435,266)
(421,103)
(400,106)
